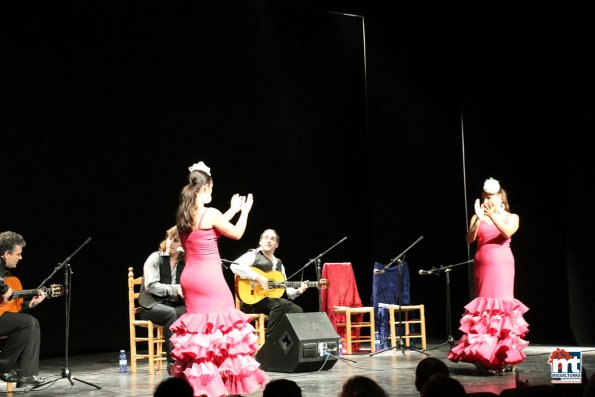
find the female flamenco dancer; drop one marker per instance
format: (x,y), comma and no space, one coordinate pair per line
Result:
(213,343)
(493,322)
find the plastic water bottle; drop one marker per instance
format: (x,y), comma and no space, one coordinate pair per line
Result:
(377,340)
(123,362)
(340,348)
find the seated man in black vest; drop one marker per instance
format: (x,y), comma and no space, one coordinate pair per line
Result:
(161,295)
(263,259)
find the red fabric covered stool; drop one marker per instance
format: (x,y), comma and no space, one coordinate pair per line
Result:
(341,293)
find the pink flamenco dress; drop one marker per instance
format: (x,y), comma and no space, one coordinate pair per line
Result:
(493,323)
(213,343)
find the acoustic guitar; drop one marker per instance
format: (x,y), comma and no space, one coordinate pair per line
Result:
(250,292)
(15,303)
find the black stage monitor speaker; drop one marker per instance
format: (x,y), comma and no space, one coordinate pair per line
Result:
(300,344)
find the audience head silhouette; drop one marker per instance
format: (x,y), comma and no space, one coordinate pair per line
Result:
(282,388)
(440,385)
(178,387)
(589,390)
(362,386)
(426,368)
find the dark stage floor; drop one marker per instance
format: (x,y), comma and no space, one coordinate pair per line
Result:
(393,369)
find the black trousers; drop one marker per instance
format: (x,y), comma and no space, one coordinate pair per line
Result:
(20,351)
(164,314)
(275,308)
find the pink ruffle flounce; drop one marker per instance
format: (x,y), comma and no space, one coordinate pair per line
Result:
(215,353)
(494,331)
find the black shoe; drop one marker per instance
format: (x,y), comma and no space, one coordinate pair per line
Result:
(483,369)
(8,377)
(33,380)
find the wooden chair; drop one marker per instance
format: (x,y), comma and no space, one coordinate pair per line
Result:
(154,333)
(407,321)
(259,319)
(355,318)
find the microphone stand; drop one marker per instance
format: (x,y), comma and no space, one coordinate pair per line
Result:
(318,269)
(66,374)
(224,261)
(318,276)
(397,257)
(450,340)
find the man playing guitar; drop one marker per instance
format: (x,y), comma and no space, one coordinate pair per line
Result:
(263,258)
(20,350)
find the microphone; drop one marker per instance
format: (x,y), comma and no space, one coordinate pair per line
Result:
(180,250)
(424,272)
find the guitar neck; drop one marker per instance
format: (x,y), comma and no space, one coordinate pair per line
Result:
(25,293)
(292,284)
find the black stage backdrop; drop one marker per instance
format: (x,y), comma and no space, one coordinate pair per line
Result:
(373,123)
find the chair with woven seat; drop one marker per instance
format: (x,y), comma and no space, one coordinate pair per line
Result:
(342,303)
(410,314)
(396,316)
(390,286)
(152,335)
(259,319)
(355,319)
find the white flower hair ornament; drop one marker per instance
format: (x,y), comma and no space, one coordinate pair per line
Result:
(200,166)
(491,186)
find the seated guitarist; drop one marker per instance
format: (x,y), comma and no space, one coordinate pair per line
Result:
(19,353)
(263,258)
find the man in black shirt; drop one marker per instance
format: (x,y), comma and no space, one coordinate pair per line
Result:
(19,352)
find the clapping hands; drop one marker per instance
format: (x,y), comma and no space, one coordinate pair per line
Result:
(241,203)
(479,210)
(247,204)
(484,210)
(236,202)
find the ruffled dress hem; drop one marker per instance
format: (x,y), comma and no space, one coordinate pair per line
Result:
(215,353)
(494,330)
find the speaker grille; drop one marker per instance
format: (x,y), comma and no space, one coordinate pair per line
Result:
(301,342)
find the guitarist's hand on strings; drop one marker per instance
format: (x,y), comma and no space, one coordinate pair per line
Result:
(6,297)
(37,299)
(262,281)
(302,288)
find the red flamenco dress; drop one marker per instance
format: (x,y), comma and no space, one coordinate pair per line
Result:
(213,342)
(493,322)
